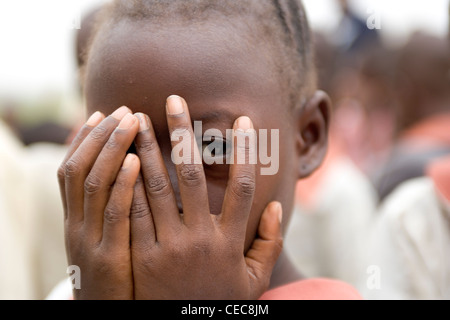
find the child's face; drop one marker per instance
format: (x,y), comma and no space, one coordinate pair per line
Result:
(220,80)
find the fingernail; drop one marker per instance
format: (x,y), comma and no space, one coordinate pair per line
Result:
(128,161)
(127,122)
(144,122)
(120,113)
(244,123)
(277,207)
(95,119)
(175,105)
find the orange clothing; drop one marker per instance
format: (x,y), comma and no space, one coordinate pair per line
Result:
(439,172)
(434,129)
(313,289)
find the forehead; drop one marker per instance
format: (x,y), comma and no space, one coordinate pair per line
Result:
(139,65)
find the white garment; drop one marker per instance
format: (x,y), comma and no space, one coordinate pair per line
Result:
(329,238)
(32,254)
(15,275)
(410,244)
(48,257)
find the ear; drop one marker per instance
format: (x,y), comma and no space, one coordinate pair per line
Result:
(313,122)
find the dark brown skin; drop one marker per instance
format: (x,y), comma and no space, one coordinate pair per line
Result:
(228,238)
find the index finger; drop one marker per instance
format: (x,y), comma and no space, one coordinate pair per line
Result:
(93,121)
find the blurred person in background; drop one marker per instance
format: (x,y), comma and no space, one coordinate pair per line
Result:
(423,89)
(366,108)
(44,130)
(410,239)
(353,35)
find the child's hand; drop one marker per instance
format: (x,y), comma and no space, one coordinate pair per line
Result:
(197,255)
(96,182)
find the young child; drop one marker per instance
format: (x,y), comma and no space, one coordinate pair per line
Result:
(143,226)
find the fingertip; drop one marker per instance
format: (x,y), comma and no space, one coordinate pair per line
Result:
(175,105)
(277,209)
(243,123)
(128,121)
(270,225)
(120,113)
(95,119)
(144,121)
(130,161)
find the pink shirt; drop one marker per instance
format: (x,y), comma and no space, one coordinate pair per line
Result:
(313,289)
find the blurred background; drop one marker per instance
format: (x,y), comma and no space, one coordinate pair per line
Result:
(385,64)
(38,78)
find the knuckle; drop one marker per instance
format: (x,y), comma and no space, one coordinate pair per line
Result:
(191,175)
(178,252)
(105,263)
(244,185)
(157,185)
(71,169)
(61,173)
(113,215)
(203,248)
(92,185)
(105,267)
(146,146)
(139,210)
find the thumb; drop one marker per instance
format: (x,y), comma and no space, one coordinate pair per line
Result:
(265,250)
